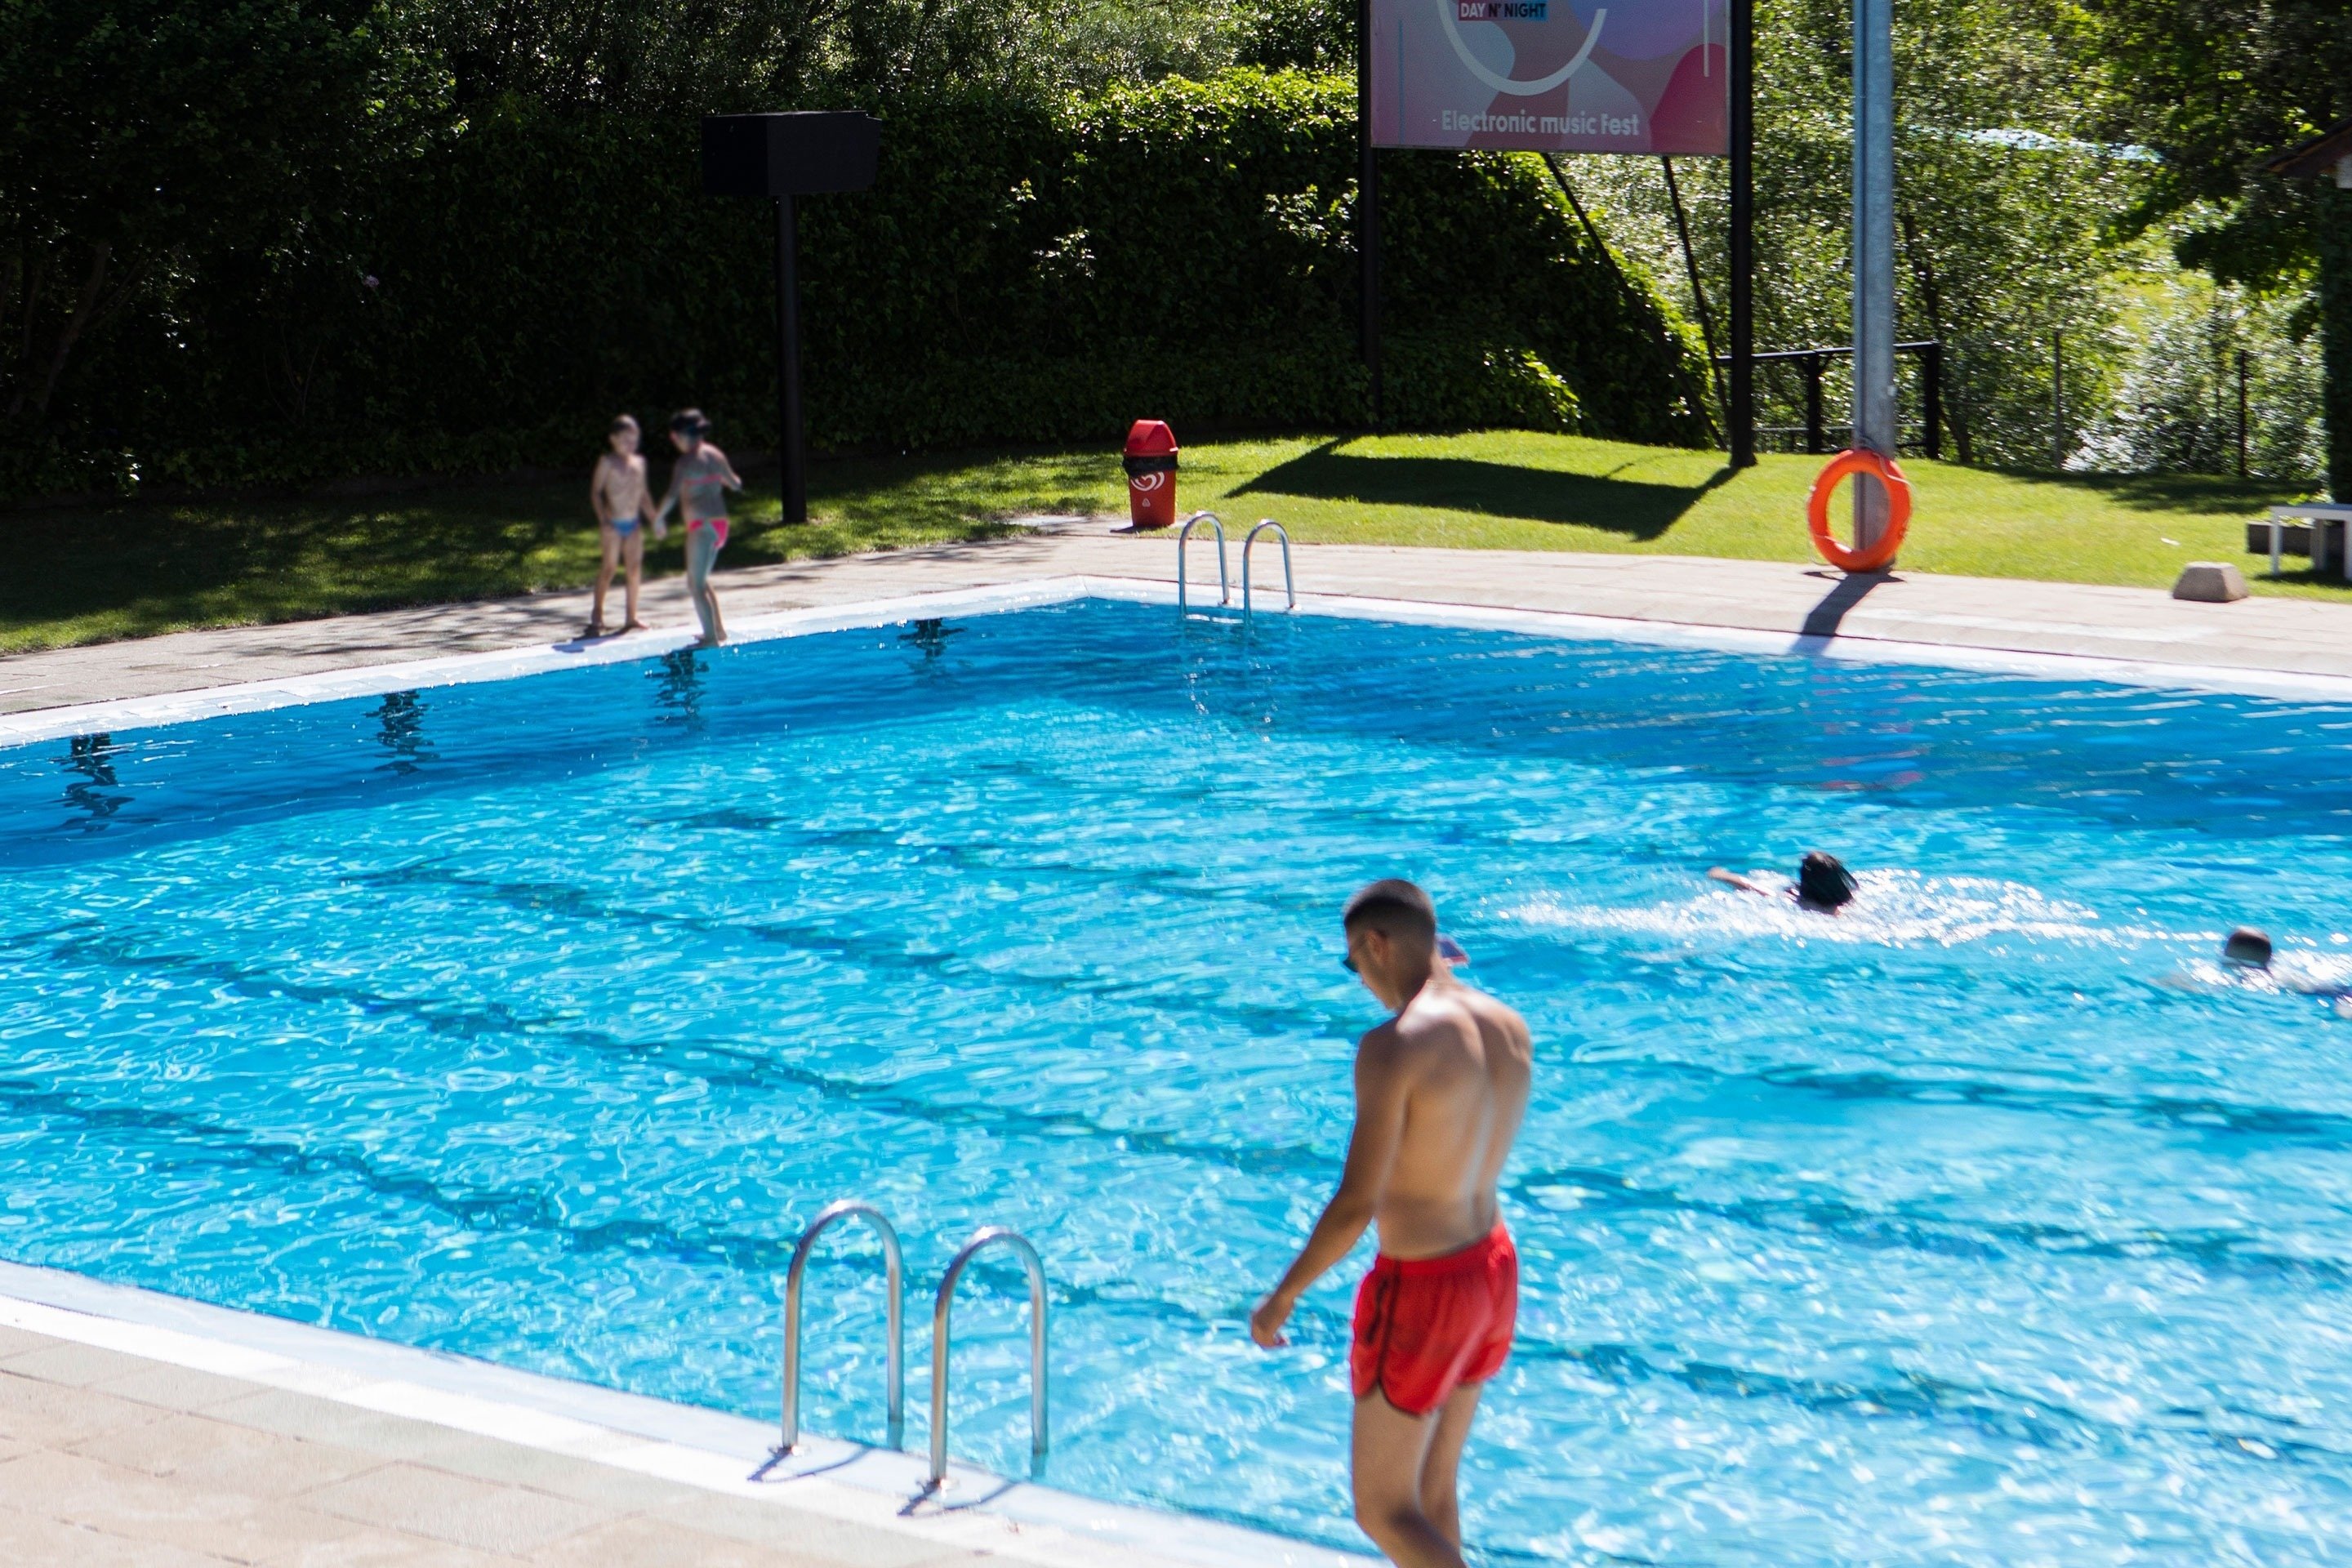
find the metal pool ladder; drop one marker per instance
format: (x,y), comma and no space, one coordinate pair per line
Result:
(892,1287)
(986,1237)
(1289,586)
(1224,592)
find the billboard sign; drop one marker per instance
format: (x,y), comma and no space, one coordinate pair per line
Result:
(1551,76)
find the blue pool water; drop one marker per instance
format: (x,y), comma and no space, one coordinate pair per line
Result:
(531,1020)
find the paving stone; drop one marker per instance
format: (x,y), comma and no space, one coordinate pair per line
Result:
(608,1486)
(815,1537)
(455,1508)
(37,1413)
(226,1457)
(178,1387)
(62,1360)
(666,1543)
(345,1426)
(32,1541)
(368,1548)
(77,1490)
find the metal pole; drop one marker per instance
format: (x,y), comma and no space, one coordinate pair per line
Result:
(1931,396)
(2058,399)
(790,442)
(1367,209)
(1813,365)
(2241,414)
(1742,415)
(1690,267)
(1874,254)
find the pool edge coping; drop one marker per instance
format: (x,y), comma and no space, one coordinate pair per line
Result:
(451,669)
(1022,1522)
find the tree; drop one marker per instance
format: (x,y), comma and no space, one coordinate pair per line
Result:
(2211,88)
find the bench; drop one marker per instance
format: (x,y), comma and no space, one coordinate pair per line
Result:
(2323,535)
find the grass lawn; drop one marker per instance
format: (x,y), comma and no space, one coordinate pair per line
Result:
(134,569)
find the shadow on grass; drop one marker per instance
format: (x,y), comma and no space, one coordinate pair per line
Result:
(1636,509)
(2210,495)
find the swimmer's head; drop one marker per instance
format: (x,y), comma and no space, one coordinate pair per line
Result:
(1392,938)
(2248,946)
(621,435)
(1823,881)
(687,429)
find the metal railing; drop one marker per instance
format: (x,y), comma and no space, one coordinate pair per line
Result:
(1224,591)
(1811,363)
(987,1237)
(893,1286)
(1290,584)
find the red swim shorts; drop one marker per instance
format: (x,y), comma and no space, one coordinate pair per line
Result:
(716,525)
(1425,1326)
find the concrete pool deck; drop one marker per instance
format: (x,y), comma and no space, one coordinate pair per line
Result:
(2131,625)
(139,1430)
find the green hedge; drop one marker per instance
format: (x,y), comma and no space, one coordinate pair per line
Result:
(1020,272)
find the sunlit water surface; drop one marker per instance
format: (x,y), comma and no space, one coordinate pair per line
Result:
(1989,1224)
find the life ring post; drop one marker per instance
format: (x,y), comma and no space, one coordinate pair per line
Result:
(1858,461)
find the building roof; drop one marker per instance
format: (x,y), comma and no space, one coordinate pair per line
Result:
(2316,158)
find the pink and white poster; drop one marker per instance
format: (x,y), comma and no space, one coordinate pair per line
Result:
(1591,76)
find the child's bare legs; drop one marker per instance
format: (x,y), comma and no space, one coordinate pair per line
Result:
(612,541)
(701,550)
(633,552)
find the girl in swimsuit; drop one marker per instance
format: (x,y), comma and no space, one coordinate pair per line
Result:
(701,477)
(616,494)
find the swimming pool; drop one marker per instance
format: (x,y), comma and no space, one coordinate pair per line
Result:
(531,1019)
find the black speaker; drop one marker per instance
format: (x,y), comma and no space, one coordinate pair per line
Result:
(805,153)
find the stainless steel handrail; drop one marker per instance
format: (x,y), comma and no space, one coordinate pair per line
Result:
(894,1272)
(1224,589)
(986,1237)
(1289,586)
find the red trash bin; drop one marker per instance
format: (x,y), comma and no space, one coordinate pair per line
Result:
(1151,474)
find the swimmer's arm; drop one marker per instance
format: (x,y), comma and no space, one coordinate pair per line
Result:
(597,492)
(1383,1089)
(1744,884)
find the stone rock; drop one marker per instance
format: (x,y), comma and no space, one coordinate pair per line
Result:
(2211,582)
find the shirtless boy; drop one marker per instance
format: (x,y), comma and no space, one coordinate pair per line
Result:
(700,478)
(1440,1092)
(617,493)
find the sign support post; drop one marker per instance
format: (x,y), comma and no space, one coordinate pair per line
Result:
(1368,211)
(1875,428)
(791,439)
(1740,418)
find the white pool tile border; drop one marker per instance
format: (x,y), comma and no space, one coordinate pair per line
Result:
(1021,1522)
(376,680)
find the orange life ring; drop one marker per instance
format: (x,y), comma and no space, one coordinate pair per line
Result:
(1861,461)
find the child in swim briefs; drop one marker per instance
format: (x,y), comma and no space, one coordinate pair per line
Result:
(1427,1326)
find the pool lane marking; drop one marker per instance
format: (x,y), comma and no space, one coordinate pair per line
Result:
(376,680)
(1019,1522)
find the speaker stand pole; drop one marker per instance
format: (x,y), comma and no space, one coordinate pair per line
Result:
(791,451)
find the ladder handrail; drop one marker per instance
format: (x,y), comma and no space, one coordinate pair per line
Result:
(1224,589)
(1290,584)
(893,1270)
(985,1236)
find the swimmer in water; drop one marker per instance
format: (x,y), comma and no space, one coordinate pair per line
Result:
(2248,948)
(1823,884)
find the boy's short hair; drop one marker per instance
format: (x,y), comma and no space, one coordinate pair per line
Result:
(689,422)
(621,422)
(1395,906)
